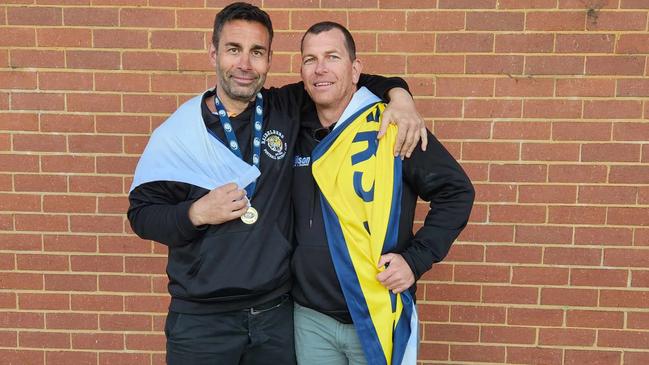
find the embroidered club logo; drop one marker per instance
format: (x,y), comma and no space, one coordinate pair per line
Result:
(274,144)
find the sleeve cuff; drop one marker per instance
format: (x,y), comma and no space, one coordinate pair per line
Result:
(406,256)
(185,225)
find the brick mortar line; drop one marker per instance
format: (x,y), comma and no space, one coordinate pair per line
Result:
(74,193)
(65,193)
(528,245)
(464,263)
(535,306)
(546,307)
(78,294)
(535,184)
(540,286)
(99,351)
(153,73)
(492,140)
(536,119)
(135,350)
(484,264)
(66,214)
(160,274)
(180,51)
(484,162)
(592,347)
(554,162)
(87,253)
(540,307)
(571,98)
(629,270)
(207,30)
(485,203)
(332,8)
(560,77)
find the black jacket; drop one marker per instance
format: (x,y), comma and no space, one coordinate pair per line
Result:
(233,265)
(433,175)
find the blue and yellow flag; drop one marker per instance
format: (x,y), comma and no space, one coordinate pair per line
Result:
(360,182)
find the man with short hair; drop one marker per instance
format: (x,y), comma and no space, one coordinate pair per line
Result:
(228,247)
(356,260)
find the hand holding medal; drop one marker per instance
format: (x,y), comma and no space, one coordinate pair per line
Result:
(222,204)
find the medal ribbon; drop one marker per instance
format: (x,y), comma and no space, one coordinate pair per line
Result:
(232,138)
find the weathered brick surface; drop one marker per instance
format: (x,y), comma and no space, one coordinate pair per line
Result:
(544,102)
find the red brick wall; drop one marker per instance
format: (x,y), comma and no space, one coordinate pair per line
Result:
(545,102)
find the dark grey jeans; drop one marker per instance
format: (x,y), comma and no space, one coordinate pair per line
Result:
(250,337)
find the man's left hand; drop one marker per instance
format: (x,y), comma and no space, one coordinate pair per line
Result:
(411,126)
(397,277)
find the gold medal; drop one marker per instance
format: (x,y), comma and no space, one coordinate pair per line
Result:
(250,216)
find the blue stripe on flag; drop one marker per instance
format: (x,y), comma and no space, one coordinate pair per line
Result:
(392,233)
(351,287)
(403,332)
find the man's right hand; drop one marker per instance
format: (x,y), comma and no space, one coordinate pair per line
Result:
(220,205)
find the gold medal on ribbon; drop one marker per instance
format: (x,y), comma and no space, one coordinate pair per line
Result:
(250,216)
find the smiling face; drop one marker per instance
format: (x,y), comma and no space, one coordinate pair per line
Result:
(242,60)
(329,74)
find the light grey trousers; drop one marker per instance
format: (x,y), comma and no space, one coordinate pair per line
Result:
(322,340)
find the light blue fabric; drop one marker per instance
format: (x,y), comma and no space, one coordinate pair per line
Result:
(181,149)
(362,98)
